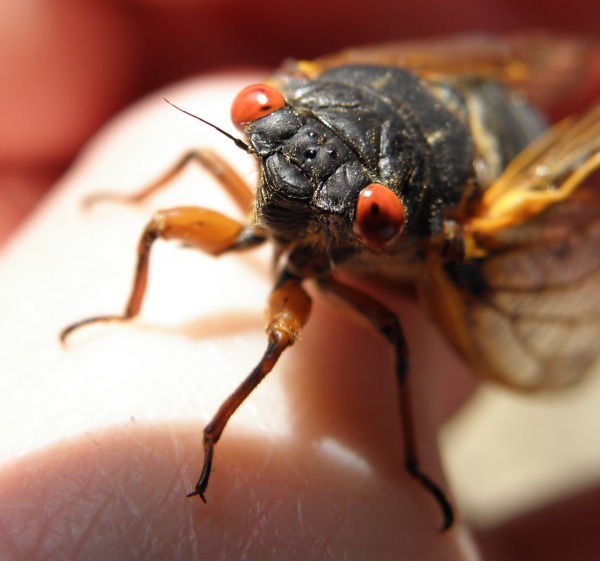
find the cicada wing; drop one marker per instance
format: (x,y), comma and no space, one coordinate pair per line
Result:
(547,68)
(524,304)
(528,313)
(548,171)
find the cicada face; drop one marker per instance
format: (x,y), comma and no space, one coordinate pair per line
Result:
(307,174)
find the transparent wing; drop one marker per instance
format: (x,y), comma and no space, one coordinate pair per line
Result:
(528,314)
(524,306)
(547,68)
(548,171)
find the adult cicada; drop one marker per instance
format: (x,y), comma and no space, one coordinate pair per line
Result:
(425,166)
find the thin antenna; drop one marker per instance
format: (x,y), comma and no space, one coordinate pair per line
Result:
(237,141)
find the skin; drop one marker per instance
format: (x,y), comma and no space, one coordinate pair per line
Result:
(311,447)
(101,442)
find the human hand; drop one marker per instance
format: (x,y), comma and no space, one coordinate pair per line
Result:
(104,437)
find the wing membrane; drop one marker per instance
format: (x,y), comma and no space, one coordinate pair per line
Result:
(536,322)
(547,68)
(548,171)
(545,297)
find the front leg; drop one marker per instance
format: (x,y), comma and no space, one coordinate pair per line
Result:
(288,309)
(201,228)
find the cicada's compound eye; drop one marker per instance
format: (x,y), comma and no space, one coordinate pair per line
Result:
(379,217)
(254,102)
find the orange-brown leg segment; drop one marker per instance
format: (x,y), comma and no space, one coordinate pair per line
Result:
(386,323)
(287,311)
(211,161)
(202,228)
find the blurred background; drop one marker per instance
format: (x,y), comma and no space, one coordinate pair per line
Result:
(67,66)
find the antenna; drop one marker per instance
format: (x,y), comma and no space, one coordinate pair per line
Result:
(237,141)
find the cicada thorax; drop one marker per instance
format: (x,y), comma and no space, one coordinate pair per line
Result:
(356,126)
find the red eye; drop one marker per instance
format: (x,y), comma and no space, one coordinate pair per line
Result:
(254,102)
(379,217)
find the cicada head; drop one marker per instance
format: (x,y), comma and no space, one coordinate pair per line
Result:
(312,184)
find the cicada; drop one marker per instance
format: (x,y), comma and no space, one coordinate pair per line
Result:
(425,166)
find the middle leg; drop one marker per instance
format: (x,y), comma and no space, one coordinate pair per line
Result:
(385,322)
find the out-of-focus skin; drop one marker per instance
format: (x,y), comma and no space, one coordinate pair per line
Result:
(103,440)
(104,437)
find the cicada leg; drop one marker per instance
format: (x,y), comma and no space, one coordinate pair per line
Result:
(202,228)
(386,322)
(211,161)
(288,309)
